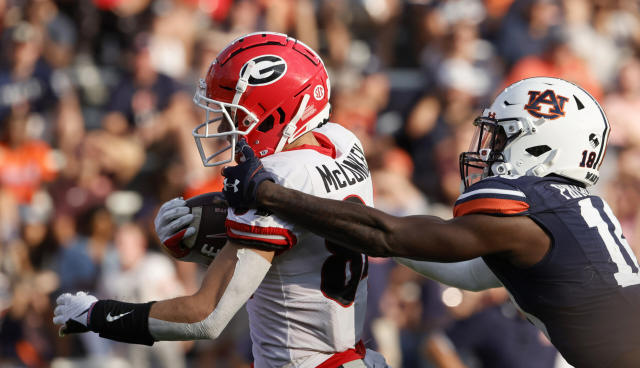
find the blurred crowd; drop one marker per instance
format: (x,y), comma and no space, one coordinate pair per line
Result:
(96,119)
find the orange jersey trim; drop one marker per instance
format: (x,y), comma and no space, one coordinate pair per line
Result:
(490,205)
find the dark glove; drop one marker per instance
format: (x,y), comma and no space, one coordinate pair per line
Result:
(241,181)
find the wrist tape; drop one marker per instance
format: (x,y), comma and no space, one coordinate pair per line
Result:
(120,321)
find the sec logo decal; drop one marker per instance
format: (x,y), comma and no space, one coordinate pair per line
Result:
(267,69)
(318,92)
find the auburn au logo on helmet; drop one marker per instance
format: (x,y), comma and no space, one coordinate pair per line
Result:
(554,102)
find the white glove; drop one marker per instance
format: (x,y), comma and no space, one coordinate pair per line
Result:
(171,219)
(373,359)
(72,312)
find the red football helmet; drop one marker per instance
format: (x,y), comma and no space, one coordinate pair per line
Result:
(267,87)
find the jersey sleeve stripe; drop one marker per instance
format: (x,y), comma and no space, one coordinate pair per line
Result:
(485,191)
(270,235)
(490,206)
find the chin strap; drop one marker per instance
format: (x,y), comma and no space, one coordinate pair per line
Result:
(290,129)
(241,87)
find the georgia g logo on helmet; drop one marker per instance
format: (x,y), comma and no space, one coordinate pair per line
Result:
(267,69)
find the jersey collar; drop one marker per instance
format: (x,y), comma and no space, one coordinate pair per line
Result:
(326,147)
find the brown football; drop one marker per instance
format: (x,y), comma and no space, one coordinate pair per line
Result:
(209,214)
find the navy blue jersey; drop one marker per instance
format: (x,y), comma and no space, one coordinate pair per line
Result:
(585,293)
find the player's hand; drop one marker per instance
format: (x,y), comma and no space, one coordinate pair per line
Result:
(72,312)
(171,222)
(241,181)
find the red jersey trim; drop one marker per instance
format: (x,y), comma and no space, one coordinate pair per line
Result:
(326,147)
(172,245)
(288,241)
(346,356)
(490,205)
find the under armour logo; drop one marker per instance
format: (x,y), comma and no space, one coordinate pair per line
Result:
(548,97)
(228,186)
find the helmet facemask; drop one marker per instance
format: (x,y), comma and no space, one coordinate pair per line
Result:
(221,125)
(486,152)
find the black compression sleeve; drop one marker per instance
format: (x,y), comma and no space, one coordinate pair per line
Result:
(120,321)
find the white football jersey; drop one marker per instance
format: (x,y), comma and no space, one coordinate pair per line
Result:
(310,307)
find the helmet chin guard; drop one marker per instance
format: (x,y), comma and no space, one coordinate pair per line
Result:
(538,126)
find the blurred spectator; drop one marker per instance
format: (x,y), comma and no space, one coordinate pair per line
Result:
(491,332)
(557,60)
(526,29)
(588,29)
(621,106)
(25,79)
(25,163)
(140,100)
(138,276)
(26,334)
(422,131)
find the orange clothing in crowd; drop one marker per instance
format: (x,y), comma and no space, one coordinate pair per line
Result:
(572,69)
(212,184)
(23,169)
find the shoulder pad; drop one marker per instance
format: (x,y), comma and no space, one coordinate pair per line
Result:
(494,195)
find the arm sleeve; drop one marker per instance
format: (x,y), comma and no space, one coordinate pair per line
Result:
(250,270)
(473,275)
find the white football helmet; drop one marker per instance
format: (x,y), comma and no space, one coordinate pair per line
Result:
(538,126)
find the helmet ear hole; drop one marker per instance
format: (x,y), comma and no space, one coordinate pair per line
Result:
(267,124)
(538,150)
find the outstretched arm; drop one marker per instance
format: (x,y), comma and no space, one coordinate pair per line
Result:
(231,279)
(473,275)
(367,230)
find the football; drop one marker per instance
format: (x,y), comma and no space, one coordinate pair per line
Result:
(209,214)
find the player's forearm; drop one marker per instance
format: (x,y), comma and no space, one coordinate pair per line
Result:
(192,318)
(373,232)
(360,228)
(472,275)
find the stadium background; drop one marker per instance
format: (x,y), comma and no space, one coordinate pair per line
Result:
(96,119)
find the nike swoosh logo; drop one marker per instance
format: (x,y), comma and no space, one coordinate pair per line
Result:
(111,318)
